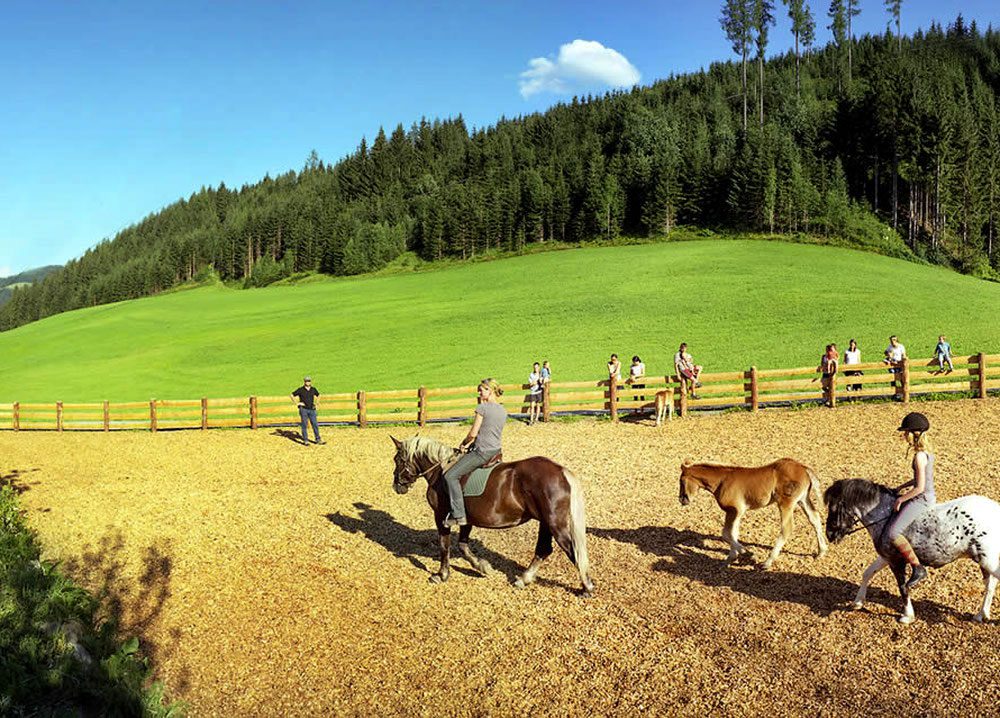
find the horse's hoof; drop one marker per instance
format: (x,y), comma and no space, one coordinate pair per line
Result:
(766,566)
(518,583)
(857,606)
(905,620)
(437,578)
(980,618)
(484,567)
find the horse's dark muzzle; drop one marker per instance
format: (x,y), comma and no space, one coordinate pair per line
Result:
(685,500)
(400,488)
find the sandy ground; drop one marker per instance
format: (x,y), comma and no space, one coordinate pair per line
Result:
(267,578)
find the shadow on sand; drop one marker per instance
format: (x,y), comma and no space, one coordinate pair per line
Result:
(290,435)
(420,547)
(14,480)
(687,553)
(131,604)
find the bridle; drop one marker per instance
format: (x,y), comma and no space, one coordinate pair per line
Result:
(413,478)
(865,526)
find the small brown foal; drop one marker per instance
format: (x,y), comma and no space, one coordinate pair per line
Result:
(785,482)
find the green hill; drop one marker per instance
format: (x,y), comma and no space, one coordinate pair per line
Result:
(735,302)
(23,279)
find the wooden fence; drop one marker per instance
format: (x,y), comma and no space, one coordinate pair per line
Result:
(752,389)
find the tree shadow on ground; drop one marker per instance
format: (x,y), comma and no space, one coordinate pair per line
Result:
(687,553)
(290,435)
(420,547)
(15,482)
(132,604)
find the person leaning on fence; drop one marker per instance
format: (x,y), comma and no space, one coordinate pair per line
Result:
(636,373)
(828,365)
(942,354)
(546,372)
(307,399)
(614,369)
(687,371)
(535,385)
(852,356)
(485,439)
(895,355)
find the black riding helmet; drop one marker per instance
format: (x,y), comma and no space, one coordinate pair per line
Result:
(915,422)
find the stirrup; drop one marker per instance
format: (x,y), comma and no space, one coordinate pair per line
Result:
(450,521)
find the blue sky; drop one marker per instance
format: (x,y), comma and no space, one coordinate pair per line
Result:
(112,110)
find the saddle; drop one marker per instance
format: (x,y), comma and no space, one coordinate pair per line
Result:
(474,483)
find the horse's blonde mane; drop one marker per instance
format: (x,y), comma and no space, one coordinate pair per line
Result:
(426,447)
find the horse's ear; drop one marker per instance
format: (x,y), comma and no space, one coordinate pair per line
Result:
(397,442)
(686,463)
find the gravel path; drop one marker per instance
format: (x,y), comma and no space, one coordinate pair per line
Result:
(267,578)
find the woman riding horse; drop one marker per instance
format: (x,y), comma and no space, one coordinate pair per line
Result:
(913,501)
(485,438)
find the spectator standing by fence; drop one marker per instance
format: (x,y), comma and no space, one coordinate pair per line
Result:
(852,356)
(636,373)
(828,365)
(942,353)
(307,399)
(614,369)
(687,371)
(895,355)
(535,386)
(546,373)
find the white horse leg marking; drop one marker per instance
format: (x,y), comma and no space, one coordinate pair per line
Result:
(866,578)
(787,514)
(991,585)
(479,564)
(528,577)
(907,616)
(730,531)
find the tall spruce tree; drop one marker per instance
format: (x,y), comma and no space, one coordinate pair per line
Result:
(804,31)
(737,21)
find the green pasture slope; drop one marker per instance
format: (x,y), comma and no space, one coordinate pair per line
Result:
(735,302)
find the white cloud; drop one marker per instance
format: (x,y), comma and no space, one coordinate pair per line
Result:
(5,271)
(581,63)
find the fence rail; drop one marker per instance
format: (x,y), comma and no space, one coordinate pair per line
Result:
(754,389)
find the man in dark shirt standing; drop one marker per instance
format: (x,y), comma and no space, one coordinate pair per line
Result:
(306,397)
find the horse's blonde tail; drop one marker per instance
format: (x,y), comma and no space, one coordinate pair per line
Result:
(578,526)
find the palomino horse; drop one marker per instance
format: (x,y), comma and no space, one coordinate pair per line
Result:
(969,526)
(516,492)
(786,482)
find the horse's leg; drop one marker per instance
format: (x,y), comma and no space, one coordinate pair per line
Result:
(899,571)
(444,539)
(478,564)
(731,533)
(543,549)
(787,515)
(866,578)
(817,524)
(990,583)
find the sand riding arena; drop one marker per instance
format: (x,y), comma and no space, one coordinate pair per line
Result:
(267,578)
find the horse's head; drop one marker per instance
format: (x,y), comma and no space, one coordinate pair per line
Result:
(689,484)
(406,472)
(847,500)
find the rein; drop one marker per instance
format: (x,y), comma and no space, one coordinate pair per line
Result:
(865,526)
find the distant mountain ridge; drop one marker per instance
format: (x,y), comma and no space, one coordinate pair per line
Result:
(29,276)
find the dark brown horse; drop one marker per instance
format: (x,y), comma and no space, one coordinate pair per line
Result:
(517,492)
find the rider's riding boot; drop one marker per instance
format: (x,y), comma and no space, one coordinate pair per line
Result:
(452,521)
(917,572)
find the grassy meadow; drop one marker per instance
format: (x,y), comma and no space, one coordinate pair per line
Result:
(735,302)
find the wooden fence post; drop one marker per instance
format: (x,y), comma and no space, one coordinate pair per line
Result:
(152,415)
(17,416)
(546,408)
(59,416)
(422,406)
(613,398)
(362,410)
(754,396)
(204,413)
(833,391)
(253,412)
(906,381)
(107,415)
(682,410)
(982,375)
